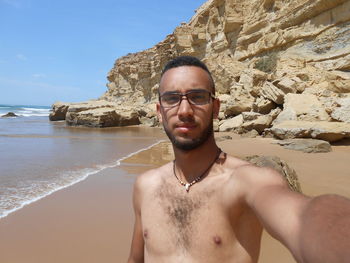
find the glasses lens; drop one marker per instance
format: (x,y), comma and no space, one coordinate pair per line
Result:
(199,97)
(169,99)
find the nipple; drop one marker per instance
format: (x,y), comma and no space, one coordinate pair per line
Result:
(145,233)
(217,240)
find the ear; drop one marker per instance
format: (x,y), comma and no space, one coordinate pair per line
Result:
(159,112)
(216,108)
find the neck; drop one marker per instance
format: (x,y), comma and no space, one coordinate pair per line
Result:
(191,164)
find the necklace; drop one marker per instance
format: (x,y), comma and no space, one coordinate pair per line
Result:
(197,179)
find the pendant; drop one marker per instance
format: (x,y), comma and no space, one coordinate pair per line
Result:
(187,186)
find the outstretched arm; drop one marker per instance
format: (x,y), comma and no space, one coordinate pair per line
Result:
(325,230)
(137,245)
(313,229)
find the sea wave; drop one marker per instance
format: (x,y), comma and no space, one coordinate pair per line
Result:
(25,111)
(33,114)
(37,191)
(35,109)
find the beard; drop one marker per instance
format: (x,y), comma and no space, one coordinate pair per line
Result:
(191,143)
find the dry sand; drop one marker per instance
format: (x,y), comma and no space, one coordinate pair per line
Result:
(92,220)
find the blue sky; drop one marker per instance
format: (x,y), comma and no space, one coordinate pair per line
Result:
(62,50)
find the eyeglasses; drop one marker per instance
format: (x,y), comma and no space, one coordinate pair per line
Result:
(194,97)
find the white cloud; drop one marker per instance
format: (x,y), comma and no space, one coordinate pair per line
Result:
(21,57)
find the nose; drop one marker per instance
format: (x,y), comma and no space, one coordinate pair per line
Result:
(185,110)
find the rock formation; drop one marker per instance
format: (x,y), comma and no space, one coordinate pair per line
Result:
(306,145)
(280,61)
(59,111)
(9,115)
(328,131)
(280,166)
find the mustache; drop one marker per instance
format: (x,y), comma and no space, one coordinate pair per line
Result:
(186,120)
(186,123)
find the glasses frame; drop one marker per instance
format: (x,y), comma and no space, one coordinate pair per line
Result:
(212,96)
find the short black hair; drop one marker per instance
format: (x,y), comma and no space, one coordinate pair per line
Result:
(188,61)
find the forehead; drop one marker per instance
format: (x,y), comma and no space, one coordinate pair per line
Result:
(185,78)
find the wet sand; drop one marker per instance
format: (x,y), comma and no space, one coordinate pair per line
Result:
(92,220)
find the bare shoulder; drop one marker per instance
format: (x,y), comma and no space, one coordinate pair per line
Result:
(254,175)
(152,178)
(250,178)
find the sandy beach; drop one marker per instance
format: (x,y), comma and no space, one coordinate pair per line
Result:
(92,221)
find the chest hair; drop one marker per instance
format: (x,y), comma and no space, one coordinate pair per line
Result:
(182,211)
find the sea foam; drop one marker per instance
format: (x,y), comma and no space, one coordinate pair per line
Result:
(68,179)
(25,111)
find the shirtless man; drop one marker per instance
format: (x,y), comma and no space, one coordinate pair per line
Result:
(209,207)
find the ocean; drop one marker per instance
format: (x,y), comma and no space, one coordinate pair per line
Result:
(25,110)
(39,157)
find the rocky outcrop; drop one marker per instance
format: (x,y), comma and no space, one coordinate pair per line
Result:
(303,107)
(279,165)
(248,121)
(265,55)
(102,114)
(323,130)
(231,124)
(9,115)
(59,111)
(306,145)
(341,111)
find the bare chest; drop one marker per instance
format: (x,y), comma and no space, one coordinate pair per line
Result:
(175,221)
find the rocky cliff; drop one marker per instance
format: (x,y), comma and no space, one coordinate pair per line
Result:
(281,68)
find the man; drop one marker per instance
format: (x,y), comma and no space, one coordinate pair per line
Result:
(209,207)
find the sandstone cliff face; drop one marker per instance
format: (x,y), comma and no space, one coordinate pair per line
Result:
(258,51)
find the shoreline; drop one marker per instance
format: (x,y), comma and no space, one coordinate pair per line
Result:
(91,221)
(78,180)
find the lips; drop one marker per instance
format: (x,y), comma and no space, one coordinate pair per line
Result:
(185,127)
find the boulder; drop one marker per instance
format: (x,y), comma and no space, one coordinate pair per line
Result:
(339,86)
(342,111)
(303,107)
(59,111)
(250,115)
(279,165)
(323,130)
(271,92)
(262,105)
(241,100)
(90,105)
(224,98)
(249,134)
(288,114)
(231,124)
(288,85)
(259,124)
(102,113)
(306,145)
(9,115)
(252,80)
(151,122)
(102,117)
(275,113)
